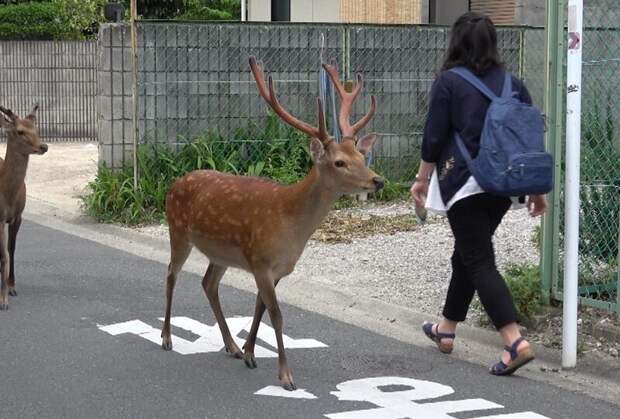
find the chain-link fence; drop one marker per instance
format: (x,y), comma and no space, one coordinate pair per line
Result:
(194,82)
(599,258)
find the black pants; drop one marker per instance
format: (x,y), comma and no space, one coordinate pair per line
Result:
(473,221)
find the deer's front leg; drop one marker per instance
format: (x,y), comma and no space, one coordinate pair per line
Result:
(4,270)
(250,343)
(13,230)
(267,292)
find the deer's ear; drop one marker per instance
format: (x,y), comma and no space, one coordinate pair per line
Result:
(317,150)
(33,114)
(364,145)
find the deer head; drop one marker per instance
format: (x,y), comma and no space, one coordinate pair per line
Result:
(342,166)
(23,136)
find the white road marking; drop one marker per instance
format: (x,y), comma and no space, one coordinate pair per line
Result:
(278,391)
(210,339)
(402,404)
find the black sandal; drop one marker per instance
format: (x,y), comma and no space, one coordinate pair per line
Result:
(517,359)
(445,348)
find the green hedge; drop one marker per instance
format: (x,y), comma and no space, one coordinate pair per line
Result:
(33,21)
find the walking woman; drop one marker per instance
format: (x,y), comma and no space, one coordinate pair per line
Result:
(445,185)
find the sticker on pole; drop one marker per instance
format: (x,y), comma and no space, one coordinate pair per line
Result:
(574,40)
(574,35)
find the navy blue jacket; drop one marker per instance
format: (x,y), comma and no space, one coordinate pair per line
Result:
(457,105)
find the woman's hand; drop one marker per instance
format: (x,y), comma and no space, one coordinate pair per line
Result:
(536,205)
(419,191)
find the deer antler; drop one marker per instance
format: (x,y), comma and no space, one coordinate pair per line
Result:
(346,103)
(9,113)
(269,94)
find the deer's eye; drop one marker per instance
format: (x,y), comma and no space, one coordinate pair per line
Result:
(340,163)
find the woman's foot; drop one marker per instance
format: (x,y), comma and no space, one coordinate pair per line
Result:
(514,357)
(443,340)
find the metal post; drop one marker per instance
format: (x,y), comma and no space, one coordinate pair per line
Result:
(554,93)
(573,142)
(243,8)
(134,89)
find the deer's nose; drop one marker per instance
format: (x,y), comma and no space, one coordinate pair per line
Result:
(379,182)
(43,148)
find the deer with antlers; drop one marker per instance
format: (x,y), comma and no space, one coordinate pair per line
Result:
(260,226)
(22,141)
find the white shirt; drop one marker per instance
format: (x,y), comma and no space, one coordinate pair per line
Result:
(434,202)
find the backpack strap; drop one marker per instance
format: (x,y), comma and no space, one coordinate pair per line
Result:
(507,89)
(475,81)
(463,150)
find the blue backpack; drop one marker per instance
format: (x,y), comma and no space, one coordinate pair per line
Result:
(512,160)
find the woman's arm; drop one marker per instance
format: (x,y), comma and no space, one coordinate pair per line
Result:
(437,127)
(419,190)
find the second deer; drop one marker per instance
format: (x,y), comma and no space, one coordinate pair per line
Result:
(22,141)
(260,226)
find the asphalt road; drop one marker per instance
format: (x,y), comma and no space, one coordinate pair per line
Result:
(82,341)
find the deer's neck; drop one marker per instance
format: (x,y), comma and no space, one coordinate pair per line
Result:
(310,201)
(13,171)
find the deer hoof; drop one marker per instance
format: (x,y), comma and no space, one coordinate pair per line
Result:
(289,386)
(250,361)
(166,344)
(12,292)
(235,352)
(4,306)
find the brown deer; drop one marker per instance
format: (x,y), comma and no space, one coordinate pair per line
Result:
(260,226)
(22,141)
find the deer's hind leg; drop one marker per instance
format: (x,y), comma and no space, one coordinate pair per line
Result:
(180,249)
(13,230)
(211,283)
(4,269)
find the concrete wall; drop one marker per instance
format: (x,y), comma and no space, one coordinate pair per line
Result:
(322,11)
(445,12)
(530,12)
(259,10)
(60,76)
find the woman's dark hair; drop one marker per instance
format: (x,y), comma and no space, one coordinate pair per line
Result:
(473,44)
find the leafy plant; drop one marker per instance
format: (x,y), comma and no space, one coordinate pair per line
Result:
(524,283)
(211,10)
(275,151)
(33,21)
(82,17)
(523,280)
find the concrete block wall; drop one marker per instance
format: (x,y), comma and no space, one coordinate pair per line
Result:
(195,77)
